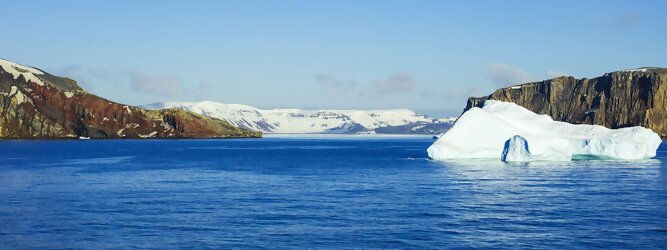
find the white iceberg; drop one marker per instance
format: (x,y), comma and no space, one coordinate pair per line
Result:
(516,149)
(509,132)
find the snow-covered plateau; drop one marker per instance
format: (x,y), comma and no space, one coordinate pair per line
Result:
(16,70)
(298,121)
(511,133)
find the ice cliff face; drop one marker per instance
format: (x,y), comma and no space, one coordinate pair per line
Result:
(36,104)
(619,99)
(395,121)
(508,132)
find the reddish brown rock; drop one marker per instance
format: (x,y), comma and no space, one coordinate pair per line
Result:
(35,104)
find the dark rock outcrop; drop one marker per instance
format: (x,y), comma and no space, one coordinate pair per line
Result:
(615,100)
(35,104)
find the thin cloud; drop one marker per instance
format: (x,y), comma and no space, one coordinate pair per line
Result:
(162,85)
(430,94)
(84,76)
(333,86)
(504,74)
(555,73)
(394,84)
(203,87)
(455,92)
(626,20)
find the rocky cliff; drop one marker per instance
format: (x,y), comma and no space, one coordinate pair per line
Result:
(619,99)
(36,104)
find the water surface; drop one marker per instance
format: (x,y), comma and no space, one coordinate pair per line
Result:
(317,193)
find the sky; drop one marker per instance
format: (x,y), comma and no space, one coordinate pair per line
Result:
(428,56)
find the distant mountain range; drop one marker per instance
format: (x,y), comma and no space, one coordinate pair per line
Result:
(298,121)
(36,104)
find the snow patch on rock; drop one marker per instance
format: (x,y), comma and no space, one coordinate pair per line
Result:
(638,69)
(152,134)
(17,70)
(18,95)
(166,126)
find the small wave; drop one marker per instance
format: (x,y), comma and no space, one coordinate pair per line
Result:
(102,160)
(272,148)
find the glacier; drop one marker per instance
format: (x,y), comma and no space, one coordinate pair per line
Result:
(511,133)
(300,121)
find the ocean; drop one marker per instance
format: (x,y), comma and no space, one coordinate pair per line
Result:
(317,192)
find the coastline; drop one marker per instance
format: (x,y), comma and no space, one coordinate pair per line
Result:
(345,136)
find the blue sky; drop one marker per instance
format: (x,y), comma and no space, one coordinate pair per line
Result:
(424,55)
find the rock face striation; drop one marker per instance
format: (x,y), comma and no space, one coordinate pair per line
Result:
(619,99)
(36,104)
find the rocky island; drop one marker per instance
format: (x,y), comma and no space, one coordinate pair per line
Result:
(36,104)
(620,99)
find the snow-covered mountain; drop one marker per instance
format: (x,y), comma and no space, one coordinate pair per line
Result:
(297,121)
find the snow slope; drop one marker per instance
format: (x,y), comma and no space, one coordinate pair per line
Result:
(509,132)
(16,70)
(298,121)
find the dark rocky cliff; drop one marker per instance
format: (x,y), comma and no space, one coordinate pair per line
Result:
(615,100)
(35,104)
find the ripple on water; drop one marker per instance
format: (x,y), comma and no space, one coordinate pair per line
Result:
(319,193)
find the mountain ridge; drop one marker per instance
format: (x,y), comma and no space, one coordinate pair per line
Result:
(340,121)
(35,104)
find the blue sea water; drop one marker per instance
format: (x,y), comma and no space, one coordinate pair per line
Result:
(333,193)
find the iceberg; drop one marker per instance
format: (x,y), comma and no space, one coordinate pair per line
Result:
(516,149)
(511,133)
